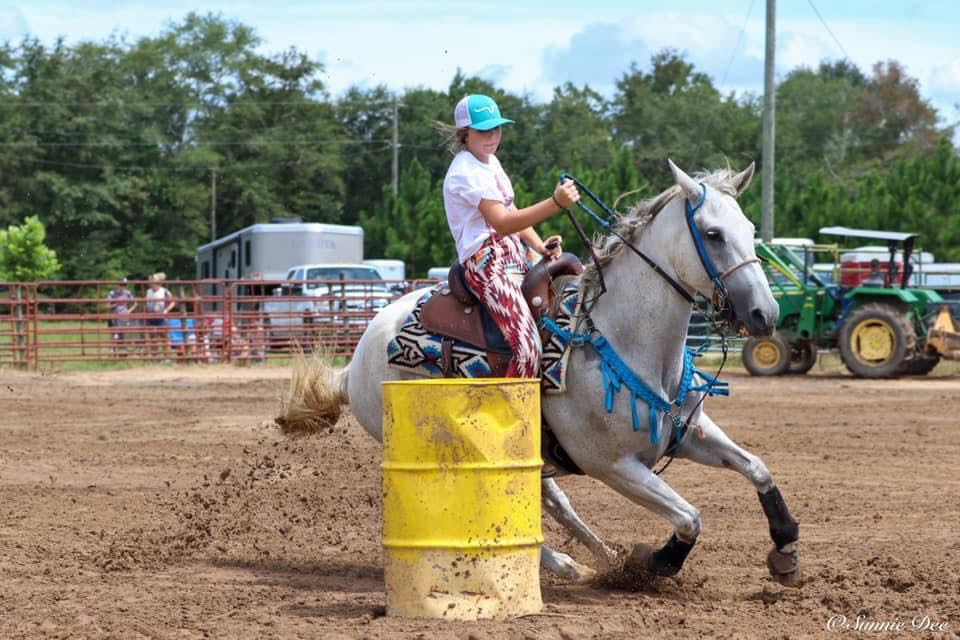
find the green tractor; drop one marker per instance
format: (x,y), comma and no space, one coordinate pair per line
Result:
(879,325)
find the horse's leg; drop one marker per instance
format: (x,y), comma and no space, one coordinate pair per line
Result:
(564,566)
(716,449)
(556,503)
(633,479)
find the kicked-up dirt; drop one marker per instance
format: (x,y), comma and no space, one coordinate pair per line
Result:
(163,503)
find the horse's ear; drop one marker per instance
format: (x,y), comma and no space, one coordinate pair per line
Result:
(742,180)
(690,188)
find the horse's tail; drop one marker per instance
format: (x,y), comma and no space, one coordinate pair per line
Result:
(315,399)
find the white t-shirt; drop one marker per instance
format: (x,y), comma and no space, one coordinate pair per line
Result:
(468,181)
(156,299)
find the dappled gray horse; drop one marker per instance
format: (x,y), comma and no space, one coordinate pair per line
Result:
(631,396)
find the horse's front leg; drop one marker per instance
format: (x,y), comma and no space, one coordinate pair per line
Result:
(556,503)
(717,450)
(630,477)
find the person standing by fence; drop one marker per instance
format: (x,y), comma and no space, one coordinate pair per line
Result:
(122,305)
(159,303)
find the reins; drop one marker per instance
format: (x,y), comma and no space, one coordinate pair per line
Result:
(608,225)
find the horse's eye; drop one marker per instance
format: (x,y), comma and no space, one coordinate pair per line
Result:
(716,235)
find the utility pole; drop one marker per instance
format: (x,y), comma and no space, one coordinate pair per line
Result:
(769,107)
(213,205)
(396,149)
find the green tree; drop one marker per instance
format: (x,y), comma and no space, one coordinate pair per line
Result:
(413,226)
(675,112)
(814,117)
(23,255)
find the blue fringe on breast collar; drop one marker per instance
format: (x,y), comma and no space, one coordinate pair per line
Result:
(616,374)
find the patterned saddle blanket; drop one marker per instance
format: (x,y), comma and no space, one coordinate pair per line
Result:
(418,351)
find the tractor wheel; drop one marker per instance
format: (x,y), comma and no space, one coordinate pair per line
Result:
(766,356)
(803,355)
(876,341)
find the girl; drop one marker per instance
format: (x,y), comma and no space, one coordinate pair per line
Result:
(489,229)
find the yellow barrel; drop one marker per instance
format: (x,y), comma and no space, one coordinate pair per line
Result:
(461,497)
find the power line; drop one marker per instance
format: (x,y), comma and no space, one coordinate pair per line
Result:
(733,55)
(152,103)
(382,105)
(235,143)
(163,169)
(825,26)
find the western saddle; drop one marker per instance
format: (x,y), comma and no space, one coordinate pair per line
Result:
(455,313)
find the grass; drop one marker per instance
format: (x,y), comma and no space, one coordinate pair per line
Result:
(85,345)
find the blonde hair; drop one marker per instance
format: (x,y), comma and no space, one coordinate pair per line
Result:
(159,276)
(454,138)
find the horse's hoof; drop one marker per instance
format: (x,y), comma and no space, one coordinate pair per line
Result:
(643,558)
(784,565)
(584,575)
(640,558)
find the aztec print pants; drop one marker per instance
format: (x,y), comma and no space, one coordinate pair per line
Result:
(494,274)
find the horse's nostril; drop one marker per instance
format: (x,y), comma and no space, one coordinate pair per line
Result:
(761,320)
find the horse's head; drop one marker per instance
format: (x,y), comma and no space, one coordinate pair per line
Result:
(722,263)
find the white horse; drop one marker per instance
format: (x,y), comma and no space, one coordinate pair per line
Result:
(652,267)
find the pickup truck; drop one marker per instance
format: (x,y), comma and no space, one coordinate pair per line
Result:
(324,296)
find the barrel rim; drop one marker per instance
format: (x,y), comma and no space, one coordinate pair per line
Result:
(466,382)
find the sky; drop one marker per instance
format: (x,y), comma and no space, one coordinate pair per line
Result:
(531,46)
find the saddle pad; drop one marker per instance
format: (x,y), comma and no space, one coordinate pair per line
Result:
(417,351)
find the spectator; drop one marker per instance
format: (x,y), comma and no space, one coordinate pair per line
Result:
(122,305)
(159,303)
(182,333)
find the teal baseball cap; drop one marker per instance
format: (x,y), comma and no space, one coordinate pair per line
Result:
(478,112)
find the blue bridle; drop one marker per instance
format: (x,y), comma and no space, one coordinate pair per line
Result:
(720,290)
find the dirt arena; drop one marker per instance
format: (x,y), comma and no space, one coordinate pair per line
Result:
(162,503)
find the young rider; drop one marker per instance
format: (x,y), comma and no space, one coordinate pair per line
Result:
(491,232)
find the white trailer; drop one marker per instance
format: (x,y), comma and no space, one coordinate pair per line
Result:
(267,251)
(390,270)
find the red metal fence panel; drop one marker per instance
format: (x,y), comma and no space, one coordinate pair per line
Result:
(52,322)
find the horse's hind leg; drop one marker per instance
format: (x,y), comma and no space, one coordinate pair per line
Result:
(717,450)
(564,566)
(556,503)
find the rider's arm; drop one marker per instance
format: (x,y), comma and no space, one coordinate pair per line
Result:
(506,222)
(549,248)
(532,239)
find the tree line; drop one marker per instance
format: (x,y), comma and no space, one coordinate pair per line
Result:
(125,149)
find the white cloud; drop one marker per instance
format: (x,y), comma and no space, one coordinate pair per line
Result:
(531,46)
(597,56)
(13,25)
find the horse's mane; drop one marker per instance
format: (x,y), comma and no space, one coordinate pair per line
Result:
(638,215)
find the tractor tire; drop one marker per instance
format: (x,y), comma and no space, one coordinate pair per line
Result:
(766,356)
(803,355)
(877,341)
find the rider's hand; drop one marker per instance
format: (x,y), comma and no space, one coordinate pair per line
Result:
(565,194)
(552,248)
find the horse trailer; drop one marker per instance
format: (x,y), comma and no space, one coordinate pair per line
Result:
(267,251)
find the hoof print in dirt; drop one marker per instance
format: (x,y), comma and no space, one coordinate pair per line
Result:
(784,565)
